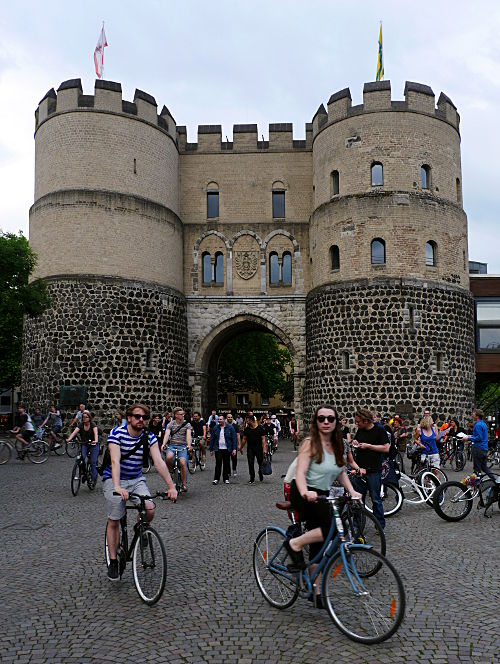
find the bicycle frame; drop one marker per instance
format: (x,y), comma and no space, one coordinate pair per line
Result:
(329,548)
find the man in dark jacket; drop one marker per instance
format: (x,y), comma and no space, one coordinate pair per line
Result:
(223,443)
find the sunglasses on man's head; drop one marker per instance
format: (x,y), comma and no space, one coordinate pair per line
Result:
(140,417)
(322,418)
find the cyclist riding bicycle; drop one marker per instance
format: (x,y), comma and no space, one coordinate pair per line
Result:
(178,431)
(319,462)
(200,432)
(24,431)
(89,438)
(270,433)
(124,475)
(55,420)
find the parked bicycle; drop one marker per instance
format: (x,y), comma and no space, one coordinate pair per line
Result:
(360,588)
(146,552)
(453,500)
(81,472)
(195,458)
(390,494)
(452,451)
(494,455)
(417,491)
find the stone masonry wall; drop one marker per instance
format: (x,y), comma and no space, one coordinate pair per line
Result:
(125,340)
(393,331)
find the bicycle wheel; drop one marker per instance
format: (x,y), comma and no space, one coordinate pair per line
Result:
(91,481)
(452,501)
(38,451)
(428,483)
(192,463)
(440,475)
(368,609)
(72,448)
(5,452)
(399,462)
(61,450)
(392,499)
(458,463)
(410,491)
(177,477)
(121,555)
(361,527)
(149,564)
(76,478)
(270,559)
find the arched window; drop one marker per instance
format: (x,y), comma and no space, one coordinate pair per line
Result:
(287,269)
(430,253)
(335,183)
(378,252)
(212,200)
(425,176)
(377,174)
(206,267)
(334,257)
(219,268)
(274,269)
(278,200)
(459,191)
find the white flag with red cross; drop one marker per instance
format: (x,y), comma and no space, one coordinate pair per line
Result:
(99,53)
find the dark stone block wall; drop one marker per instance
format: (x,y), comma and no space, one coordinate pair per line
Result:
(393,331)
(125,340)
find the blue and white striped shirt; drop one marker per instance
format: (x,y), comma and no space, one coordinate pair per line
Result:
(130,468)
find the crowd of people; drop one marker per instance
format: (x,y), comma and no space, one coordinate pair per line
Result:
(324,455)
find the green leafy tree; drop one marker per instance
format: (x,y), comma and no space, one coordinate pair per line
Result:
(255,362)
(17,299)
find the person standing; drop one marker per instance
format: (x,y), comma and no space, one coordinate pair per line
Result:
(236,427)
(255,437)
(200,432)
(370,443)
(223,444)
(479,438)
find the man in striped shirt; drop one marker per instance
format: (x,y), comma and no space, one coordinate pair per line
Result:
(124,476)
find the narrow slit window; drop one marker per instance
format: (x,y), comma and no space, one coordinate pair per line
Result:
(430,254)
(459,191)
(212,204)
(219,268)
(274,269)
(334,257)
(377,174)
(335,183)
(345,360)
(425,176)
(206,268)
(287,269)
(278,204)
(378,252)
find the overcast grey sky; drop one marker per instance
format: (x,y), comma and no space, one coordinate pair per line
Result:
(256,61)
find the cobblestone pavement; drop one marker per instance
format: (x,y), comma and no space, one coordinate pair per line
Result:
(57,605)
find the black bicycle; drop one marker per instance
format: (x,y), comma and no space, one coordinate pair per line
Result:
(195,458)
(176,469)
(82,472)
(146,551)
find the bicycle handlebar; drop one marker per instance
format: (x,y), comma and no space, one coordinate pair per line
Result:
(158,494)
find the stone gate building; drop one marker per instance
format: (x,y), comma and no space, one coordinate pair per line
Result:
(350,246)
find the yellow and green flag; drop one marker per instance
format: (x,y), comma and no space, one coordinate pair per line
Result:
(380,62)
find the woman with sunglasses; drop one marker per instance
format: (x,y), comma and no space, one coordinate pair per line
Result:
(319,462)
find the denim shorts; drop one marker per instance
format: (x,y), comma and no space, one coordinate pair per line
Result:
(182,451)
(56,428)
(115,506)
(433,459)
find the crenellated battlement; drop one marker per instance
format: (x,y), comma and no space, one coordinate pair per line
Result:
(107,97)
(377,98)
(245,139)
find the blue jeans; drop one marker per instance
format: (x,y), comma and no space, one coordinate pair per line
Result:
(372,485)
(94,453)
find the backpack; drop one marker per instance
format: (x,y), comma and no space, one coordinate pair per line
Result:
(143,442)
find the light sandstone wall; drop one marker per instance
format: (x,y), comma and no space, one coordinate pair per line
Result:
(405,221)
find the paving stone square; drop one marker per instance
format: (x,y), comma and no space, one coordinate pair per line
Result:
(58,606)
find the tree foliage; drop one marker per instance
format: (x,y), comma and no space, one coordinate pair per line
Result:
(255,362)
(17,299)
(486,393)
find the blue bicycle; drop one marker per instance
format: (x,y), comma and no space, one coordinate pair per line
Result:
(360,588)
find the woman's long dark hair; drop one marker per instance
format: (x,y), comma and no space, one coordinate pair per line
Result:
(336,438)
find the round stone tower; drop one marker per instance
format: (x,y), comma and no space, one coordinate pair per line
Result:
(389,318)
(109,240)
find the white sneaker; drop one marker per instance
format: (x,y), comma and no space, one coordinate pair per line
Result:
(235,473)
(226,482)
(215,482)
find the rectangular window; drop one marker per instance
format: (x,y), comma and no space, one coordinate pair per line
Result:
(212,204)
(242,399)
(488,324)
(264,401)
(223,398)
(278,204)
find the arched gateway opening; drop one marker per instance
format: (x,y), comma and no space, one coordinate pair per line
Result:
(204,372)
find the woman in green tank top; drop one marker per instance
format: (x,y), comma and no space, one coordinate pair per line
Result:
(319,462)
